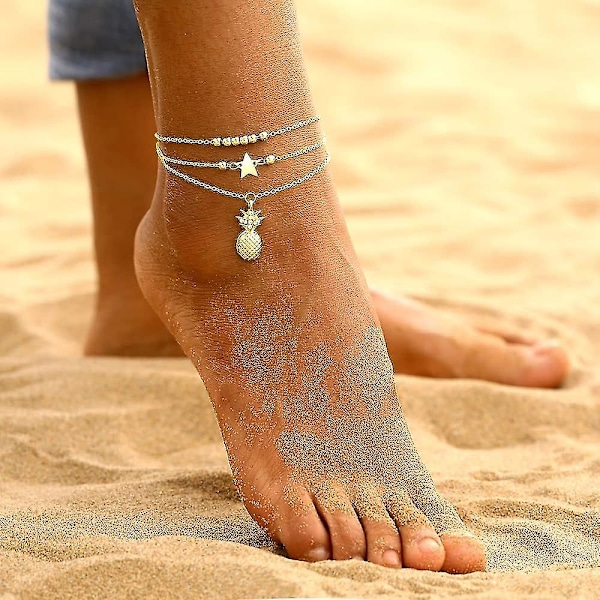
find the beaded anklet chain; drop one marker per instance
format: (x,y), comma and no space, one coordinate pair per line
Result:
(238,140)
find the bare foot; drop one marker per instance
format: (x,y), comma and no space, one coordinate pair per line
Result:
(425,341)
(295,364)
(302,386)
(117,119)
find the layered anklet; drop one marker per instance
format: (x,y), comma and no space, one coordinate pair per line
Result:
(248,243)
(247,165)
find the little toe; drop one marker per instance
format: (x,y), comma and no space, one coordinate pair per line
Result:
(464,554)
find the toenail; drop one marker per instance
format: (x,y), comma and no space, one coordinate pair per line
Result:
(458,533)
(428,545)
(542,347)
(317,554)
(391,558)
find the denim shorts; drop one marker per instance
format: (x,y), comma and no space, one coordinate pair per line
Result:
(94,39)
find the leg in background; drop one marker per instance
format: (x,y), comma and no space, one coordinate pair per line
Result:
(117,121)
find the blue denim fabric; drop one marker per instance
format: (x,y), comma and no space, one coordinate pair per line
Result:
(94,39)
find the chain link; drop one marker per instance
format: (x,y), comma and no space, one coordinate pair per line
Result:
(295,182)
(185,163)
(294,126)
(209,141)
(181,140)
(300,151)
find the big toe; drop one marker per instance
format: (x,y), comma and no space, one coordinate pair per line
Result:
(542,365)
(464,554)
(546,365)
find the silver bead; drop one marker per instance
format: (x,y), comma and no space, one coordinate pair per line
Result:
(222,165)
(253,138)
(226,141)
(263,135)
(216,141)
(244,140)
(235,141)
(270,159)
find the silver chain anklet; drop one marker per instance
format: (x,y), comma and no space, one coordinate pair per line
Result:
(238,140)
(248,244)
(247,165)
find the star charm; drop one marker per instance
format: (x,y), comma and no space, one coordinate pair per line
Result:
(248,167)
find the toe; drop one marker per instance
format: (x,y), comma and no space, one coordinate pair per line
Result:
(303,533)
(345,530)
(546,365)
(383,542)
(422,341)
(464,554)
(381,533)
(421,546)
(543,365)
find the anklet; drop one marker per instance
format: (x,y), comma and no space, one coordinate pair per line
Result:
(247,165)
(248,244)
(238,140)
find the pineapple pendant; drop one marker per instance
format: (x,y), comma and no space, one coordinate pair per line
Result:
(249,243)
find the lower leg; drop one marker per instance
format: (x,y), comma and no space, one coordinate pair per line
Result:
(117,122)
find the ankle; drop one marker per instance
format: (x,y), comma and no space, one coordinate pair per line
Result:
(201,228)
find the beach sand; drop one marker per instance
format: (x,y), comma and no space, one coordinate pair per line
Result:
(466,145)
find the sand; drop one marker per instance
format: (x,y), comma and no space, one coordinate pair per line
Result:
(465,139)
